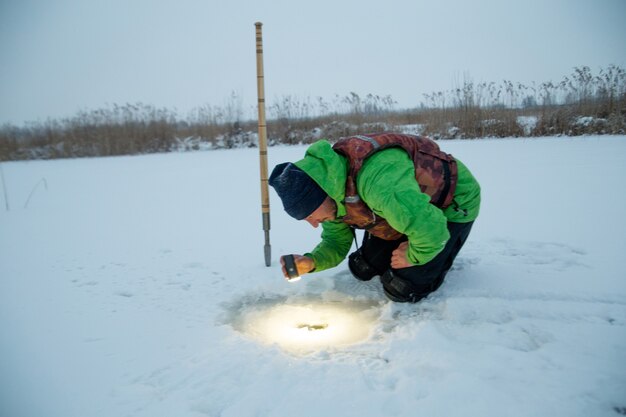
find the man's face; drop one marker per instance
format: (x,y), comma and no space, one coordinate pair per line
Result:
(326,211)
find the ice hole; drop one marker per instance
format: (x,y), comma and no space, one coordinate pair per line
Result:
(311,327)
(305,326)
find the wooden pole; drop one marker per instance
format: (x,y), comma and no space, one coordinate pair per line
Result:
(265,196)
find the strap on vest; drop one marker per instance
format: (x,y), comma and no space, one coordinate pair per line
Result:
(356,243)
(447,184)
(375,144)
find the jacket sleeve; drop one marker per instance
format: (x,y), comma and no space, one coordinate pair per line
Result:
(387,185)
(335,245)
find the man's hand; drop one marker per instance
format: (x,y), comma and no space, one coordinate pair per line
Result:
(399,258)
(304,265)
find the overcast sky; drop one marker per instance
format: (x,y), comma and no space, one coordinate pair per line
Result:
(62,56)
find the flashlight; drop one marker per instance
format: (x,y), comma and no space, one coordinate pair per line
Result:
(290,266)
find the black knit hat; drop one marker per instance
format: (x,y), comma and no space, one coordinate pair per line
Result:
(301,195)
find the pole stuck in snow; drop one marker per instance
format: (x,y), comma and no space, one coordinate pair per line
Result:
(265,196)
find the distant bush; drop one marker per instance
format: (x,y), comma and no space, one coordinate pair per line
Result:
(582,103)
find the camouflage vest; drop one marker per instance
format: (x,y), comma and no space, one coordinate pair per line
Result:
(435,172)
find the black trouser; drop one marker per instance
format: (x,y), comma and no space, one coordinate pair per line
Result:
(406,284)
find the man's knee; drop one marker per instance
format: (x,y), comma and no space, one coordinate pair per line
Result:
(360,268)
(402,290)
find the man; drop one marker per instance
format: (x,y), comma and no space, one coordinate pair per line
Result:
(416,204)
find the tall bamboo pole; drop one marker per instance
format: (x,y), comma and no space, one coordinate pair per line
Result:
(265,196)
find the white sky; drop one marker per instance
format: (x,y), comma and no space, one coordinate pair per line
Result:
(61,56)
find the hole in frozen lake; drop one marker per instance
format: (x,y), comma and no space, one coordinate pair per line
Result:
(312,327)
(305,325)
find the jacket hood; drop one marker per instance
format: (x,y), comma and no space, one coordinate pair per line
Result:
(328,169)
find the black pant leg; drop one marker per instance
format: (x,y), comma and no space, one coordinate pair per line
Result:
(416,282)
(378,251)
(373,257)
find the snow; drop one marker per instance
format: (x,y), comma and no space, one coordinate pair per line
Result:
(136,286)
(528,123)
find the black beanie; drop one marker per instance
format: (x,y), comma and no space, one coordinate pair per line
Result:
(301,195)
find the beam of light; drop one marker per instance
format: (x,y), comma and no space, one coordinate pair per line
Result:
(304,328)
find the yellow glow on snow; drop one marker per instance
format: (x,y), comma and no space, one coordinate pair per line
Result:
(306,328)
(294,279)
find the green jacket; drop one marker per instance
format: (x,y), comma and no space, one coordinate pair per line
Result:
(386,183)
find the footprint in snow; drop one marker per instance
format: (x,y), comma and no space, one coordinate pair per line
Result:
(557,255)
(193,265)
(125,294)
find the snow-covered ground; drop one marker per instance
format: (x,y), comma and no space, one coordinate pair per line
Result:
(136,286)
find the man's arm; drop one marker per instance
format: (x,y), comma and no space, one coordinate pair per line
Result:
(334,247)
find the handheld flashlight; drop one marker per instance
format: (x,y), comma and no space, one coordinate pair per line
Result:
(290,266)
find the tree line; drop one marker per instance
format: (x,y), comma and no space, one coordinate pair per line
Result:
(581,103)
